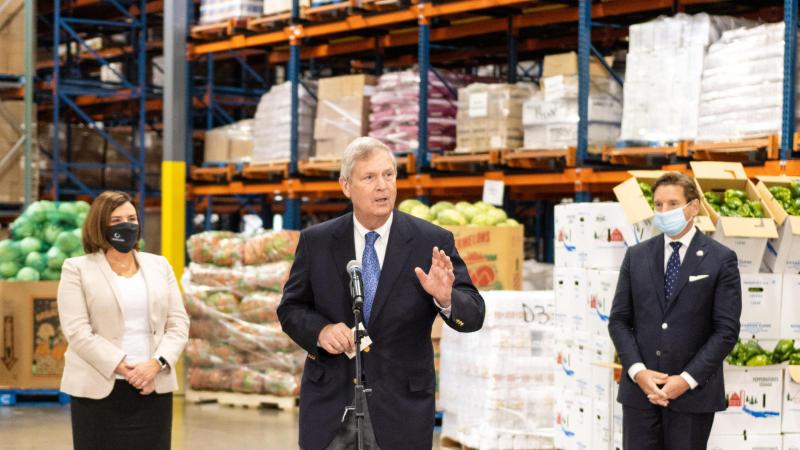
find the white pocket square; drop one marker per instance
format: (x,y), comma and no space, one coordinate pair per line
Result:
(696,277)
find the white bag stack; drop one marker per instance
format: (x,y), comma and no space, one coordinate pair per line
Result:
(272,131)
(663,75)
(742,89)
(496,384)
(213,11)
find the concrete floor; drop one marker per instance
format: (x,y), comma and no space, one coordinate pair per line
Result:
(206,427)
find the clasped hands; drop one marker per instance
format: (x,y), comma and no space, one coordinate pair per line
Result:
(141,376)
(659,387)
(337,338)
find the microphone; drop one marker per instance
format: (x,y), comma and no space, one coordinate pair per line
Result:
(356,284)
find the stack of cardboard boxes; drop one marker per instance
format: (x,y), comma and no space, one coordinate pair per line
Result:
(342,113)
(490,116)
(551,117)
(273,123)
(281,6)
(497,383)
(590,245)
(213,11)
(230,143)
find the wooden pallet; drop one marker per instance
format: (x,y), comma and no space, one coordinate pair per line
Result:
(270,22)
(466,161)
(217,30)
(385,5)
(753,149)
(448,443)
(639,156)
(557,159)
(328,12)
(237,399)
(320,167)
(266,170)
(217,173)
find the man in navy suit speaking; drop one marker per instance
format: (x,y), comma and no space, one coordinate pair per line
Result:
(674,319)
(411,272)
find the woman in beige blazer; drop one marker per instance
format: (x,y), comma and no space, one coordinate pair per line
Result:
(123,317)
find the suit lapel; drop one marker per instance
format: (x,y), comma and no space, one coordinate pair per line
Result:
(690,262)
(343,249)
(394,262)
(110,277)
(657,269)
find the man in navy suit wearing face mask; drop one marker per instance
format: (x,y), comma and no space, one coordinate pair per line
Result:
(674,319)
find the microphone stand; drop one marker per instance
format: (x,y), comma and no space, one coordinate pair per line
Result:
(360,391)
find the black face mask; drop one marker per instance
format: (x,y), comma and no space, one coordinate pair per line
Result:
(123,236)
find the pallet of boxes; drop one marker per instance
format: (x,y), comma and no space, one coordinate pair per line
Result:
(490,116)
(237,353)
(343,106)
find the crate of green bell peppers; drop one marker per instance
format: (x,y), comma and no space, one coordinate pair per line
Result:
(782,196)
(750,353)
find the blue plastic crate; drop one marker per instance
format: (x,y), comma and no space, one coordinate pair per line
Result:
(32,397)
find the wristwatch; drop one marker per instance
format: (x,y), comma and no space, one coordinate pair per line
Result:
(162,362)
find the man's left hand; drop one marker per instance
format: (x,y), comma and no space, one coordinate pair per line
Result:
(438,282)
(142,374)
(675,387)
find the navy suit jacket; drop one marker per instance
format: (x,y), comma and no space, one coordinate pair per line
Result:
(692,331)
(399,366)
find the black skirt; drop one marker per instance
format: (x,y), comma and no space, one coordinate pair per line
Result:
(123,420)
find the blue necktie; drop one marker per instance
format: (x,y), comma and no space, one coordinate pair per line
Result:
(673,266)
(371,270)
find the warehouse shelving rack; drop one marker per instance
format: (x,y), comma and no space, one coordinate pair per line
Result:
(407,36)
(130,103)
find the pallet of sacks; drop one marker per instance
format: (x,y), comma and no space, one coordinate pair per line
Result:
(232,289)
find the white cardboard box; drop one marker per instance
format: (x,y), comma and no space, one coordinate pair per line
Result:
(569,230)
(601,289)
(573,422)
(754,401)
(616,419)
(761,306)
(790,307)
(791,441)
(572,300)
(606,228)
(739,442)
(602,372)
(791,400)
(573,368)
(783,253)
(601,425)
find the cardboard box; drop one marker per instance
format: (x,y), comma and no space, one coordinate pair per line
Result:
(12,35)
(754,401)
(639,212)
(791,441)
(791,400)
(494,255)
(490,116)
(573,421)
(230,143)
(572,299)
(342,112)
(783,253)
(790,307)
(745,236)
(616,419)
(602,287)
(281,6)
(749,442)
(606,228)
(567,64)
(33,344)
(601,425)
(602,371)
(569,229)
(761,306)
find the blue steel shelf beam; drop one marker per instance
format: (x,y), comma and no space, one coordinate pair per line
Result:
(293,208)
(424,61)
(789,77)
(67,85)
(584,46)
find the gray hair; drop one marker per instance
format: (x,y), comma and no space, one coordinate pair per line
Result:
(360,149)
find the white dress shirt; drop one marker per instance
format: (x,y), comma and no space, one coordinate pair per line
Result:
(135,310)
(359,237)
(685,241)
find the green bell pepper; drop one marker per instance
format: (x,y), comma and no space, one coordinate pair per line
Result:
(783,349)
(646,188)
(794,186)
(712,198)
(734,203)
(735,193)
(794,358)
(758,360)
(781,193)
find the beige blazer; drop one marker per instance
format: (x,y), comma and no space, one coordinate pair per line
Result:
(90,310)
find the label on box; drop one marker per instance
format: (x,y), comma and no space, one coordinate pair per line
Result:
(761,306)
(49,343)
(493,191)
(754,401)
(790,307)
(479,104)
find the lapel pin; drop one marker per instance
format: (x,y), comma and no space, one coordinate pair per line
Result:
(700,253)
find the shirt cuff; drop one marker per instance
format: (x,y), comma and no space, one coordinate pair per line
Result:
(445,311)
(689,379)
(635,369)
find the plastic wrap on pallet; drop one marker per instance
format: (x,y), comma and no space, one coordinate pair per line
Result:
(507,367)
(490,116)
(281,6)
(663,75)
(742,87)
(225,248)
(230,143)
(213,11)
(272,133)
(394,117)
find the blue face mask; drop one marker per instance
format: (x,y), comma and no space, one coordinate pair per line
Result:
(671,222)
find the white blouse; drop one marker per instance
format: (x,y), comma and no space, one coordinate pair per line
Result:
(135,310)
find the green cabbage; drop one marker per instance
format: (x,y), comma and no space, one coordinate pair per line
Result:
(51,232)
(467,210)
(36,260)
(27,274)
(82,206)
(422,211)
(30,244)
(497,216)
(55,258)
(50,275)
(441,206)
(8,269)
(483,206)
(68,211)
(23,227)
(451,217)
(408,204)
(67,241)
(9,251)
